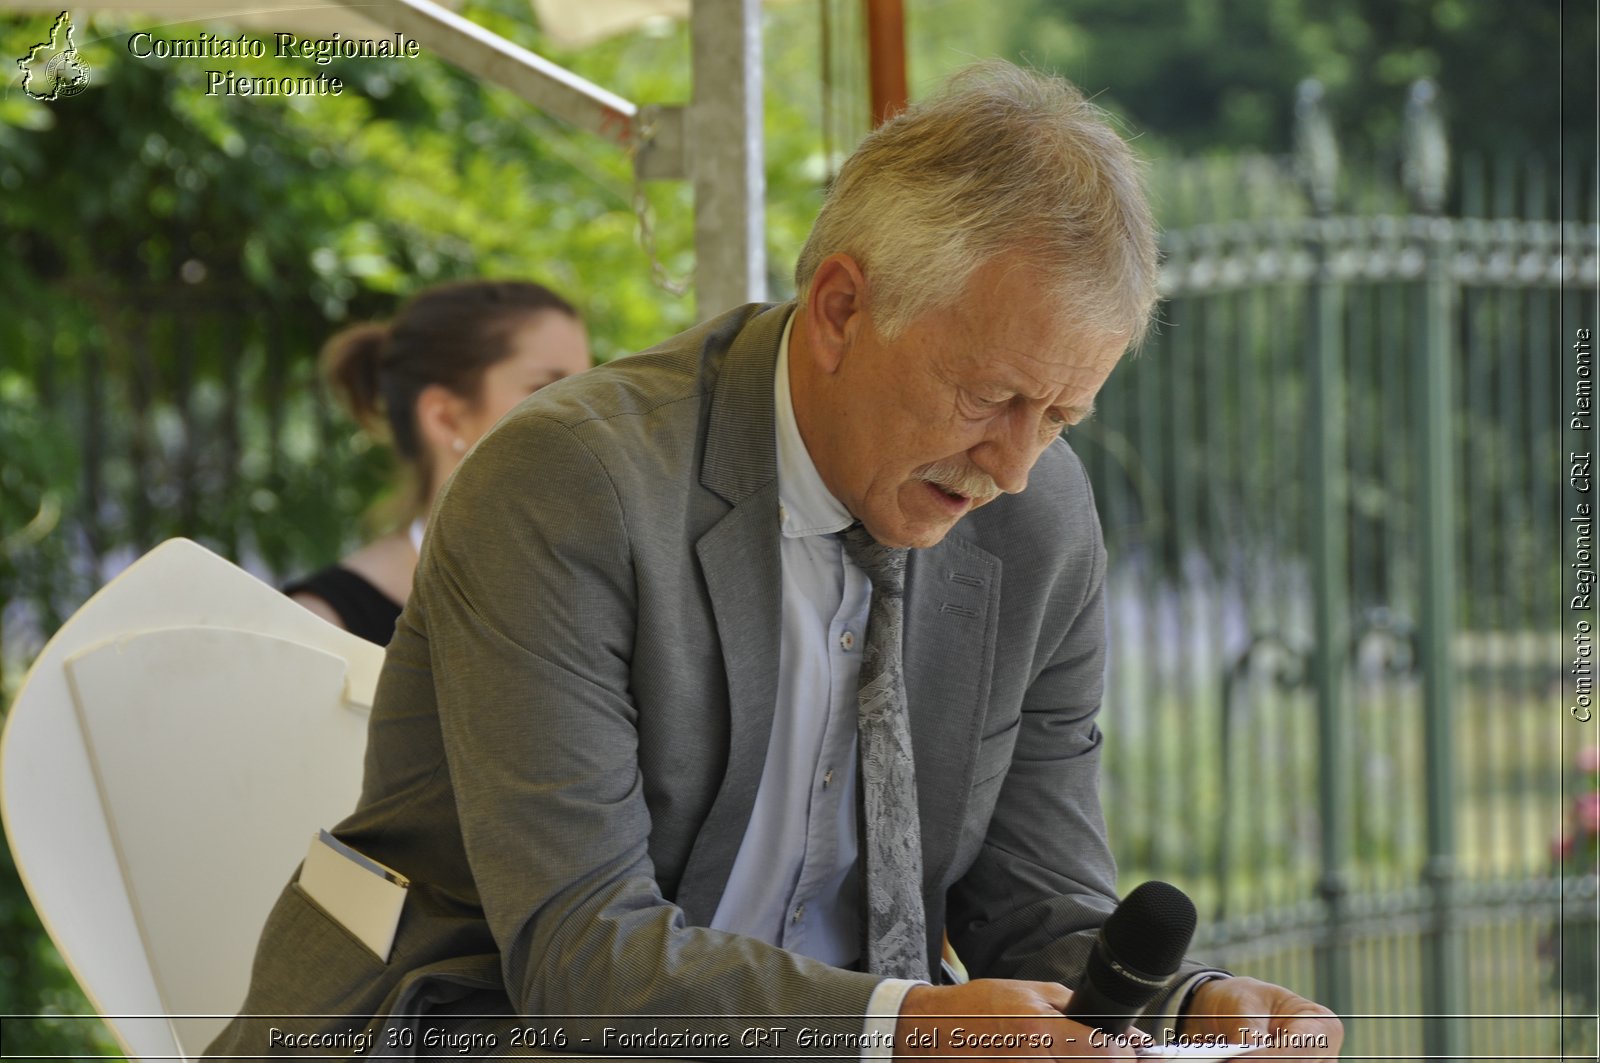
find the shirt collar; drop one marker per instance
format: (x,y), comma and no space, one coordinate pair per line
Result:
(806,507)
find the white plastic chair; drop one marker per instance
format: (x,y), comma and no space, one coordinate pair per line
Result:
(162,771)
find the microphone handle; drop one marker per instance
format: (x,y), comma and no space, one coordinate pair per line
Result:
(1094,1009)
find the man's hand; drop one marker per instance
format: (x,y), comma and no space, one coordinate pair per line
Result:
(999,1018)
(1251,1012)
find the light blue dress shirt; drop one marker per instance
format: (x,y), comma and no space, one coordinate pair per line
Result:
(795,882)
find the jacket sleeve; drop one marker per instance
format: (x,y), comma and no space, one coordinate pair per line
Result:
(1044,879)
(526,591)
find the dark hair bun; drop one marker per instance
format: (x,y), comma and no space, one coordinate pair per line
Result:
(352,360)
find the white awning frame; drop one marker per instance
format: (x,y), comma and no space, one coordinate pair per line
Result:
(715,142)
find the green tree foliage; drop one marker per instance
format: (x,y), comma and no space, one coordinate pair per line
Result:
(1219,75)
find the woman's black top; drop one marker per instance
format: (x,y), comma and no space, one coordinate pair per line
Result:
(363,608)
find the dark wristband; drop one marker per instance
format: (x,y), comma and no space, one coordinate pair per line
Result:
(1188,998)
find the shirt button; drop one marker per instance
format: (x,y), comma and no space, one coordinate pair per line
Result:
(847,641)
(799,913)
(827,777)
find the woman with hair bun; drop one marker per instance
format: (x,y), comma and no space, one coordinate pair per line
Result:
(454,361)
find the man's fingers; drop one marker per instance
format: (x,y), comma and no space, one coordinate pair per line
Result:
(997,1019)
(1311,1033)
(1318,1029)
(1275,1023)
(1053,993)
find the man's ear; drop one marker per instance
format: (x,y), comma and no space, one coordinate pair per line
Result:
(836,310)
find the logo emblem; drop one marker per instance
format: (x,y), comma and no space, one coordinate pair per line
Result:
(53,69)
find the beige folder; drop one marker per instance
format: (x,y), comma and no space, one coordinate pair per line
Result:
(359,893)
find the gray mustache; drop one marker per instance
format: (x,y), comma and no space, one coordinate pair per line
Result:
(963,480)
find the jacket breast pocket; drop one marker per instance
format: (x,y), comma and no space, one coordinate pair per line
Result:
(994,757)
(988,775)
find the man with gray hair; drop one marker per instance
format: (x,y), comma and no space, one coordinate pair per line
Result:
(739,672)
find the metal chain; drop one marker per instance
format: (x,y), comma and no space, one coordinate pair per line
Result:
(641,210)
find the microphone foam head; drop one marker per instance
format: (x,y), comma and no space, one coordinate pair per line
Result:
(1151,928)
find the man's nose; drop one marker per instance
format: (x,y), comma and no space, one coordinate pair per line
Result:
(1008,453)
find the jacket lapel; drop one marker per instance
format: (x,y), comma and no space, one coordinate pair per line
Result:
(952,613)
(740,564)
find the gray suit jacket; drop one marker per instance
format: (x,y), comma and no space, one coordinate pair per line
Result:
(574,712)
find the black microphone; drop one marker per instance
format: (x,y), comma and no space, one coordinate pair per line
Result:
(1139,949)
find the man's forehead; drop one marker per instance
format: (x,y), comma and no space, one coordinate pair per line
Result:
(1010,309)
(1049,351)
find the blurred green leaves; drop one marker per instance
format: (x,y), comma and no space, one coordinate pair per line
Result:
(1217,75)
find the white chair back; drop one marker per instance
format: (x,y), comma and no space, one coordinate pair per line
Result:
(163,768)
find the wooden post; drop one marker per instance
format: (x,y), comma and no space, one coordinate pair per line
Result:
(886,57)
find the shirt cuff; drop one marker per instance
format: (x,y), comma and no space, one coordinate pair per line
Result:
(883,1011)
(1162,1023)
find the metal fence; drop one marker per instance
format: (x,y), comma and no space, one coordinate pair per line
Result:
(171,413)
(1331,491)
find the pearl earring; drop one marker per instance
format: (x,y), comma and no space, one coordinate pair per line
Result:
(459,444)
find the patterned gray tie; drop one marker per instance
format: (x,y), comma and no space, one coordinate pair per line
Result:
(896,926)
